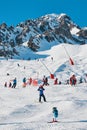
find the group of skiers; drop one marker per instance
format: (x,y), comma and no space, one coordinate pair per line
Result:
(45,80)
(12,83)
(27,81)
(72,81)
(83,79)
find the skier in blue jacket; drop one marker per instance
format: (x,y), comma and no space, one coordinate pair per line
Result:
(55,114)
(14,83)
(24,82)
(41,93)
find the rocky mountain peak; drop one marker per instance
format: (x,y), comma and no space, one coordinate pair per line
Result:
(48,29)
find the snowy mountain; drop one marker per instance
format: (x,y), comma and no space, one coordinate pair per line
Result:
(19,107)
(48,30)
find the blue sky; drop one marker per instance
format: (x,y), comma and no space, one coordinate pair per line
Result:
(15,11)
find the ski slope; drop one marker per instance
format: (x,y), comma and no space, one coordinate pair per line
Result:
(19,107)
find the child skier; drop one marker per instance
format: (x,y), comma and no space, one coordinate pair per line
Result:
(41,94)
(56,81)
(24,82)
(55,114)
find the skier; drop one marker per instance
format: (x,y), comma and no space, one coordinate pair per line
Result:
(67,81)
(60,82)
(8,74)
(45,80)
(52,58)
(14,83)
(30,81)
(81,80)
(56,81)
(5,85)
(10,84)
(41,94)
(85,78)
(55,114)
(18,65)
(73,80)
(24,82)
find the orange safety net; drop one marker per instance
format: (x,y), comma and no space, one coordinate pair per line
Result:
(35,82)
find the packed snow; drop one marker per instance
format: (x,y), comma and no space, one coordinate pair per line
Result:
(20,108)
(74,30)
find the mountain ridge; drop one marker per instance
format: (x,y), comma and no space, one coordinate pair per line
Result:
(51,29)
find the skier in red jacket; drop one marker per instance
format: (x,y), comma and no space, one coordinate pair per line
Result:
(73,80)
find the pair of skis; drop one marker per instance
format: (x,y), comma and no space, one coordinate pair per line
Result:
(53,121)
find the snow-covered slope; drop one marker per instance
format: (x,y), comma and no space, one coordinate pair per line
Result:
(20,110)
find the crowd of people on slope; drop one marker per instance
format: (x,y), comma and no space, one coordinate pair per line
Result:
(29,81)
(72,81)
(11,84)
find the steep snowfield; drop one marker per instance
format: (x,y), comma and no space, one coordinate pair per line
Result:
(20,109)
